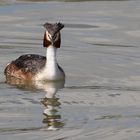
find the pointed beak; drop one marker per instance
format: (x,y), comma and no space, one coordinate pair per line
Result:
(52,41)
(53,38)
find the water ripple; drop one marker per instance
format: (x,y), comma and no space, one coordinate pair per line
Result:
(81,26)
(118,88)
(17,130)
(112,45)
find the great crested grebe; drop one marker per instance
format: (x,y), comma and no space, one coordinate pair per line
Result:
(36,67)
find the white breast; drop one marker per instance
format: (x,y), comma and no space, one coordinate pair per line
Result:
(51,70)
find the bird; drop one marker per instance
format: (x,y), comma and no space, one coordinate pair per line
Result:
(34,67)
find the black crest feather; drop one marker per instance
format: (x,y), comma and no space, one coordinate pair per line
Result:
(53,28)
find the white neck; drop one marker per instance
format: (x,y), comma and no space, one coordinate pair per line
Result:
(51,57)
(51,70)
(51,67)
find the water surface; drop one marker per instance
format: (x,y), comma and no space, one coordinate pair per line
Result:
(100,55)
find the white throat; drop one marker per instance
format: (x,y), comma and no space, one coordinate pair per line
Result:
(51,56)
(51,70)
(51,67)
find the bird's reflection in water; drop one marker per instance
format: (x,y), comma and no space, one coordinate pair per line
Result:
(51,102)
(52,105)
